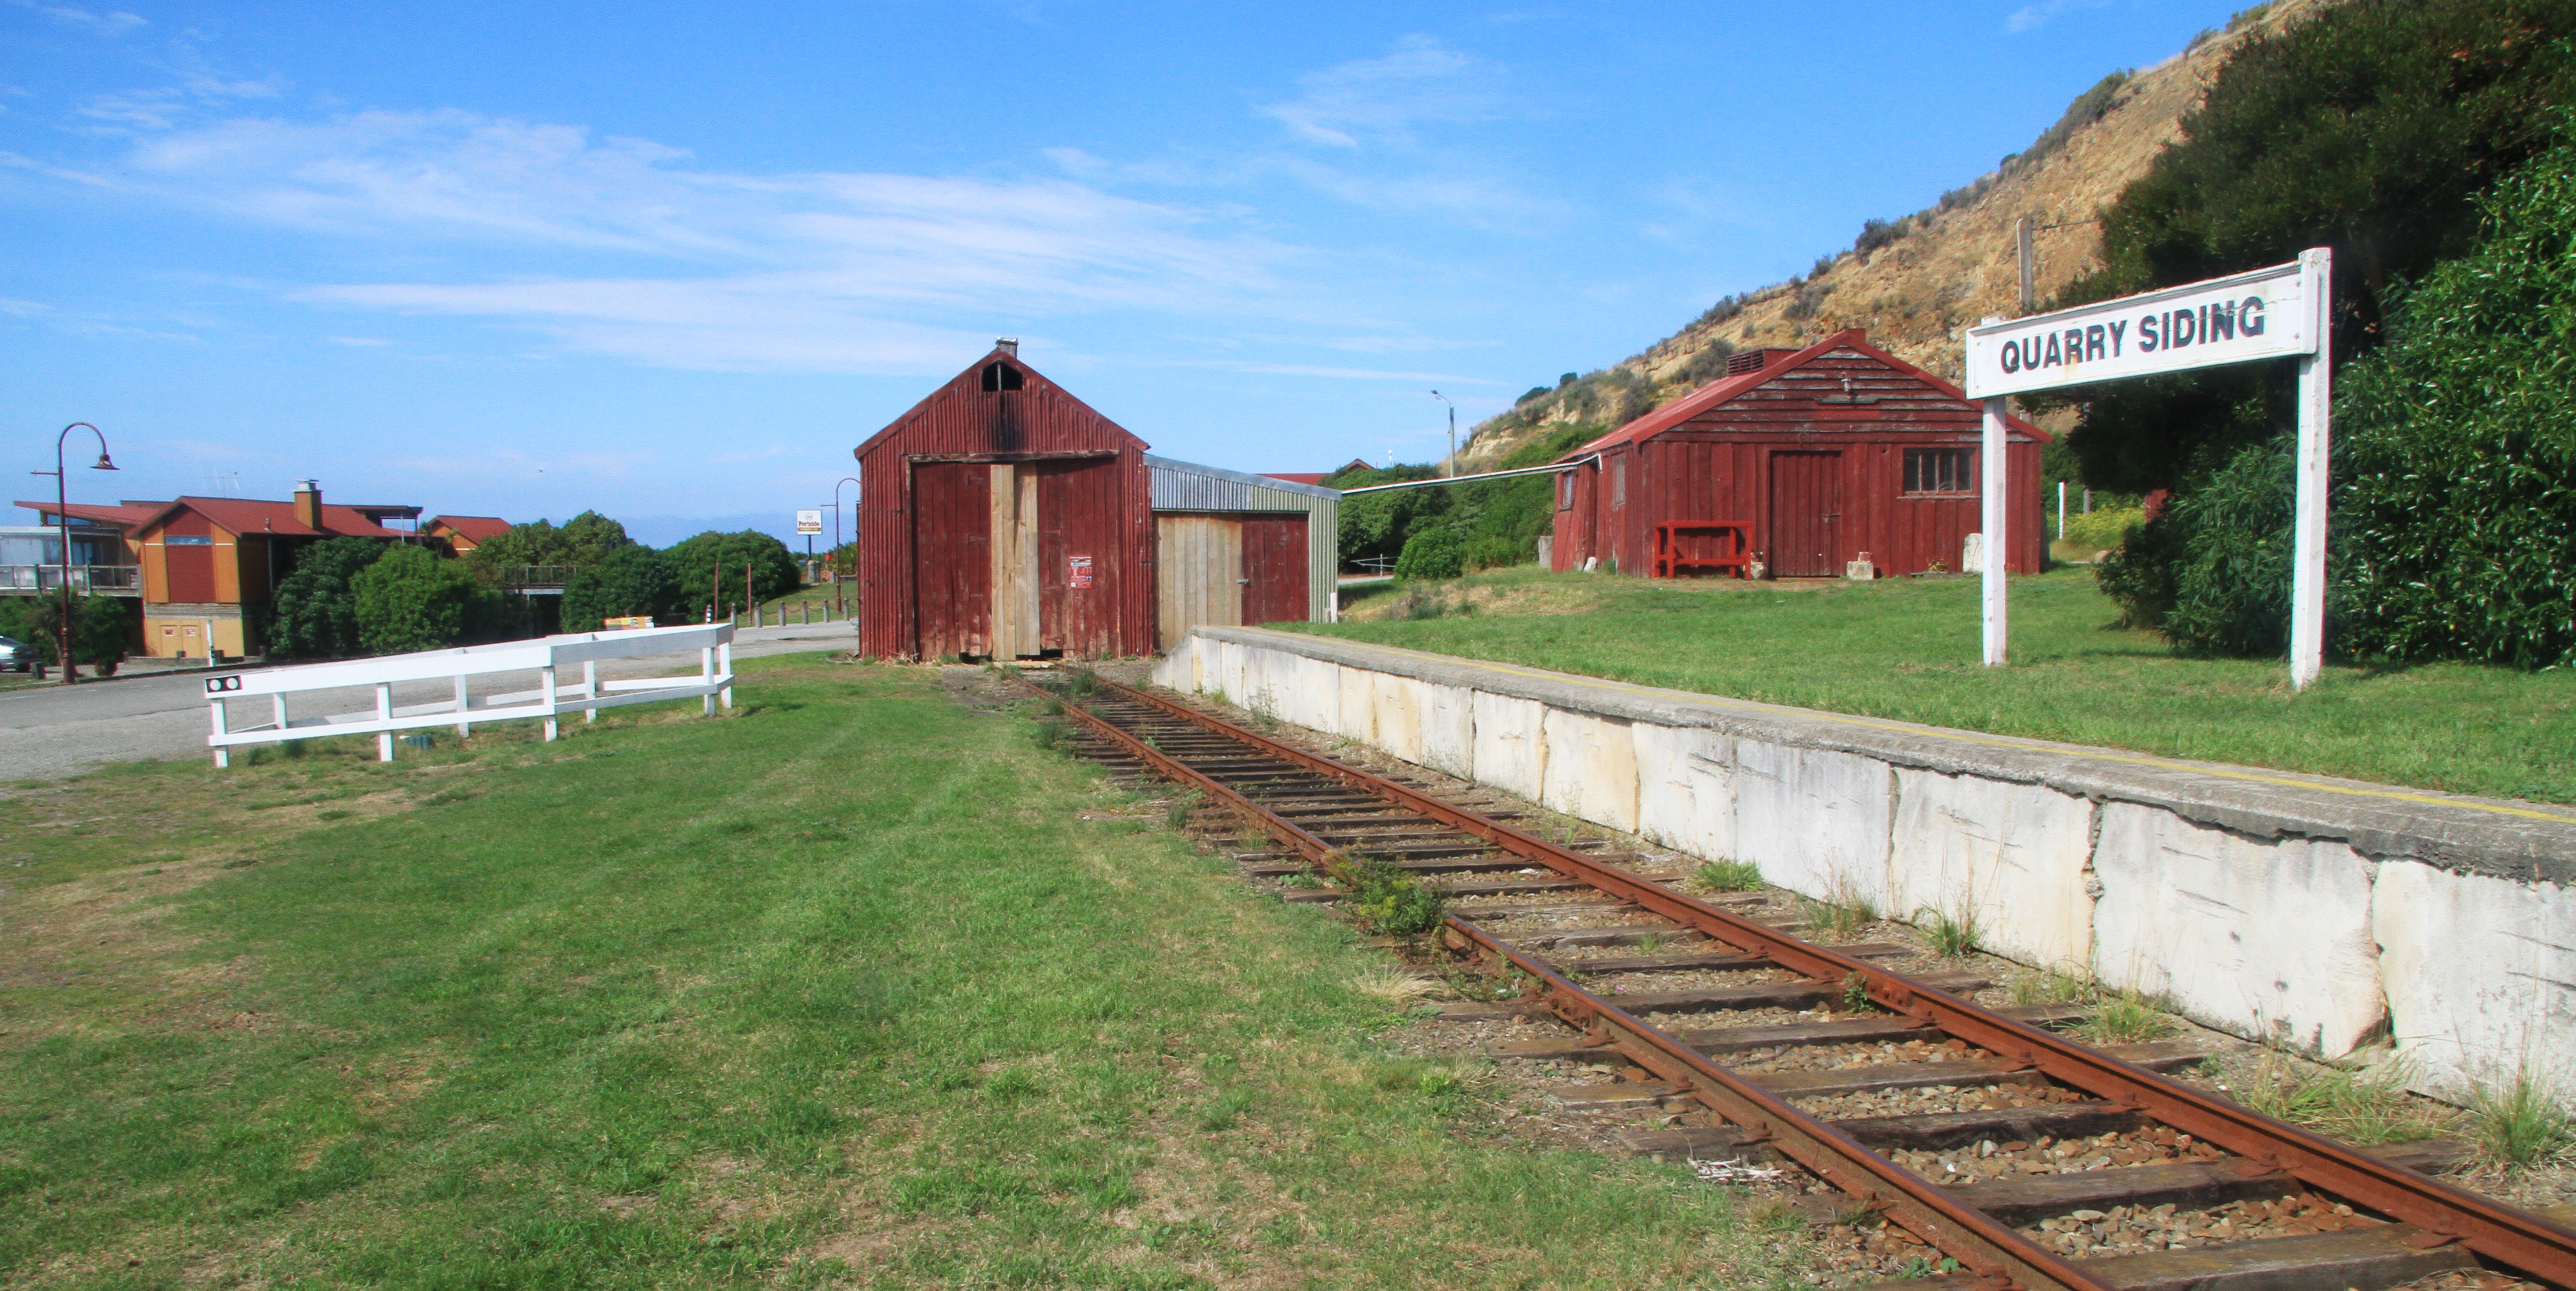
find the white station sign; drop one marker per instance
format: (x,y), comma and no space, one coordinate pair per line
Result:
(2260,315)
(809,522)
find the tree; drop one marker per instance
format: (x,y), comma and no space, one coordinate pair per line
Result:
(695,561)
(2369,128)
(409,599)
(102,627)
(315,615)
(1376,525)
(1432,553)
(630,581)
(584,540)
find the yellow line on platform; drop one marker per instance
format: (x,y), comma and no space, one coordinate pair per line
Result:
(1997,741)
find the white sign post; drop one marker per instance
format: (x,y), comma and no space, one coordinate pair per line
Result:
(2280,312)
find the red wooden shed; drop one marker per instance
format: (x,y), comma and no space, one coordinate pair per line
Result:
(1003,518)
(1825,453)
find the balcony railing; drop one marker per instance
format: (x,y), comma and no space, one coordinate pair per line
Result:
(538,579)
(105,580)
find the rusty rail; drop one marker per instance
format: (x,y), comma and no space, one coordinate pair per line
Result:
(1988,1248)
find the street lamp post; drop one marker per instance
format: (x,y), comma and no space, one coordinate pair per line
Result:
(1449,464)
(63,528)
(837,599)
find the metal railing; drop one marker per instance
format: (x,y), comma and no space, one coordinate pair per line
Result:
(544,657)
(536,578)
(108,580)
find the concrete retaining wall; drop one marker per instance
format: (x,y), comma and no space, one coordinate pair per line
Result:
(2317,912)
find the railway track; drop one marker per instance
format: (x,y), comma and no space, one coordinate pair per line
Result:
(1732,1064)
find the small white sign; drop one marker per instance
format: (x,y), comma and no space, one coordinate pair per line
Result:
(2258,315)
(809,522)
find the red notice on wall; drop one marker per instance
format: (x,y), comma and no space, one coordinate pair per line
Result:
(1081,573)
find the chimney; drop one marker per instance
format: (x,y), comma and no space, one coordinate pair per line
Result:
(308,504)
(1008,345)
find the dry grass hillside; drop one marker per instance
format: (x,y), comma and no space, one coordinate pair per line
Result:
(1914,283)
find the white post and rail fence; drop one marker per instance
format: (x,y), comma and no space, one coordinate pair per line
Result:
(548,658)
(2285,311)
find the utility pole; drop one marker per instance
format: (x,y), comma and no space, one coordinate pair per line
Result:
(1449,464)
(2021,242)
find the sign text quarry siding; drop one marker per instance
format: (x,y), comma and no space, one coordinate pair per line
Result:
(2258,315)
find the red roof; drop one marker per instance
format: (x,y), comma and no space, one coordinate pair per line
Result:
(254,515)
(1296,477)
(477,529)
(1719,391)
(132,515)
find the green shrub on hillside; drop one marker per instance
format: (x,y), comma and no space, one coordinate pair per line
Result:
(2368,127)
(2454,513)
(1432,553)
(2455,522)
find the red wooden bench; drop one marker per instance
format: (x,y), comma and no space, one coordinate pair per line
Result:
(1736,544)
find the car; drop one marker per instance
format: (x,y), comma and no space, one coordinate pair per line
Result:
(18,656)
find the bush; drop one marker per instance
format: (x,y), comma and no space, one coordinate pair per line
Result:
(2455,523)
(102,627)
(1432,553)
(1494,551)
(774,572)
(586,539)
(316,613)
(2106,527)
(629,581)
(409,599)
(2231,586)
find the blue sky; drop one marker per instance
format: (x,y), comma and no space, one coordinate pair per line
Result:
(675,262)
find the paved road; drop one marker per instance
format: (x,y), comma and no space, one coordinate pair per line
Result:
(47,732)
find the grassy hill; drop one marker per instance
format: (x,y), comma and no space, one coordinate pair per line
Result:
(1914,282)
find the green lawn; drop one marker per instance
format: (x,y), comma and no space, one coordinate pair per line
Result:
(853,987)
(1907,649)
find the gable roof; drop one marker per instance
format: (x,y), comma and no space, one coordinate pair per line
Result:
(968,381)
(1721,391)
(257,515)
(129,516)
(478,529)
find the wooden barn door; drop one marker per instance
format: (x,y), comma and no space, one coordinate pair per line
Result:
(1806,514)
(1198,568)
(1081,511)
(1275,564)
(1015,560)
(952,558)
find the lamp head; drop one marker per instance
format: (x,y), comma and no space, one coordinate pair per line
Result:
(102,464)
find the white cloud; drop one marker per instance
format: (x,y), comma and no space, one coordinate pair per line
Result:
(2041,14)
(1381,99)
(115,23)
(833,271)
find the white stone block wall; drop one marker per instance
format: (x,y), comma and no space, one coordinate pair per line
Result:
(2016,858)
(2284,935)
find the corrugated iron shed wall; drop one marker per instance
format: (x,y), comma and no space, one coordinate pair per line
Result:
(1188,486)
(1092,471)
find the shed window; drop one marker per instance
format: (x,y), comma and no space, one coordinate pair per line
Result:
(1935,472)
(1619,483)
(1565,490)
(1000,376)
